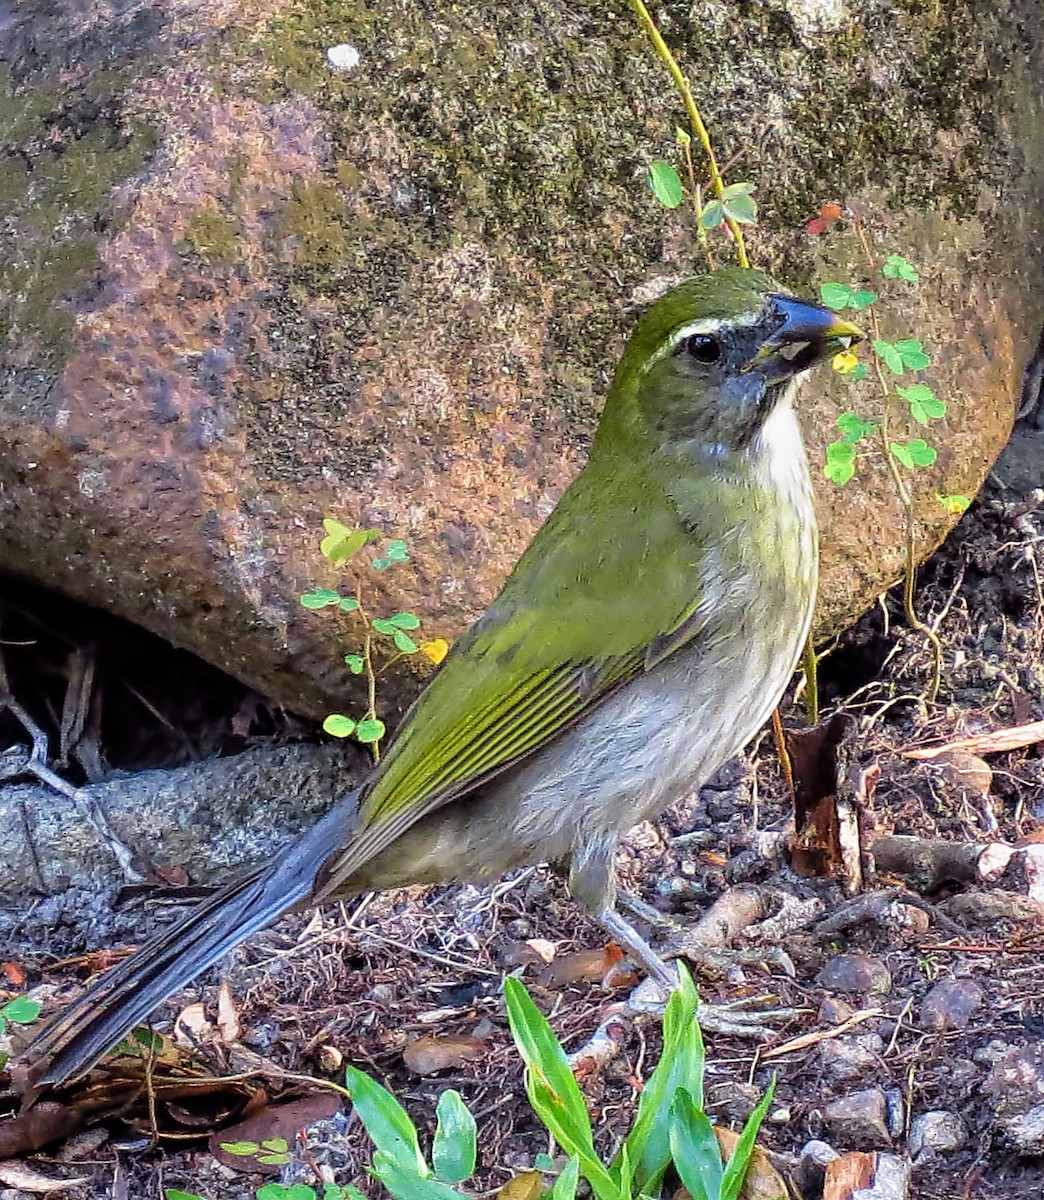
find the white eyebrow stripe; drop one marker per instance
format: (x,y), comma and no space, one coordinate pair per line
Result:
(704,325)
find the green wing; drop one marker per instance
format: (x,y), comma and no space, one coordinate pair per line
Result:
(589,605)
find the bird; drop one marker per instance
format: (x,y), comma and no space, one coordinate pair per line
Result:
(642,638)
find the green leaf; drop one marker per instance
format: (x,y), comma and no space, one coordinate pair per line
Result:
(853,428)
(914,453)
(274,1160)
(839,466)
(953,503)
(405,620)
(369,731)
(396,550)
(862,299)
(647,1150)
(279,1191)
(912,354)
(742,209)
(666,184)
(178,1194)
(338,725)
(341,542)
(348,604)
(694,1148)
(21,1010)
(241,1149)
(453,1149)
(406,1183)
(276,1145)
(386,1121)
(681,137)
(739,1160)
(897,267)
(384,625)
(835,295)
(861,371)
(404,642)
(356,663)
(552,1088)
(889,355)
(712,215)
(320,598)
(381,564)
(564,1187)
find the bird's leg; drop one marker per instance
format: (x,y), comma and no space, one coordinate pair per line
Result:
(592,881)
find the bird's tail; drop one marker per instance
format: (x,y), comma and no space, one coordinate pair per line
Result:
(110,1008)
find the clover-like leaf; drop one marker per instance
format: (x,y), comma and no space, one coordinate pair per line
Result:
(853,428)
(339,726)
(356,663)
(21,1010)
(889,355)
(840,462)
(924,404)
(897,267)
(341,542)
(370,730)
(712,215)
(914,453)
(953,503)
(912,353)
(666,184)
(320,598)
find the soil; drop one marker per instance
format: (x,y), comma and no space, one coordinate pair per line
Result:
(359,984)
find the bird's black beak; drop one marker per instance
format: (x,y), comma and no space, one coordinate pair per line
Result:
(804,334)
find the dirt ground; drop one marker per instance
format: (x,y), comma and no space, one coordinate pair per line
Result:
(361,984)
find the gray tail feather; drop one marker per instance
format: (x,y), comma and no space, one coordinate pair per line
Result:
(121,998)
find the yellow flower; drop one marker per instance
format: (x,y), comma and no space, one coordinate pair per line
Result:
(435,650)
(844,362)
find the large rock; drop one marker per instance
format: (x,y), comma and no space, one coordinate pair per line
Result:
(246,285)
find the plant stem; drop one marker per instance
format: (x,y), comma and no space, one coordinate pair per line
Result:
(371,675)
(695,120)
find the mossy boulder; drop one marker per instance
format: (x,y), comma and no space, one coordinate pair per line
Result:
(247,286)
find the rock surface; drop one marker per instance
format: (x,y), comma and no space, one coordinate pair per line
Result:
(268,262)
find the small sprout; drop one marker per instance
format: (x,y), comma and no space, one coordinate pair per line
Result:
(320,598)
(369,730)
(356,663)
(860,372)
(897,267)
(839,295)
(853,429)
(341,542)
(840,462)
(339,726)
(845,362)
(681,137)
(739,204)
(924,404)
(666,184)
(955,504)
(914,453)
(435,650)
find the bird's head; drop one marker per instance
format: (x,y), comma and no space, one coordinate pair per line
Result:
(709,362)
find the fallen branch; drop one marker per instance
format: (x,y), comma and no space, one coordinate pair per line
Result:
(930,862)
(1013,738)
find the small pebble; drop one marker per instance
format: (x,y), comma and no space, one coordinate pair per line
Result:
(950,1004)
(859,1120)
(935,1132)
(812,1164)
(851,1057)
(855,973)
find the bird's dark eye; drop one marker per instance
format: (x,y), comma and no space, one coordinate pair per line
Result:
(703,348)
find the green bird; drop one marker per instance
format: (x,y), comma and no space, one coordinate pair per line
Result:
(643,637)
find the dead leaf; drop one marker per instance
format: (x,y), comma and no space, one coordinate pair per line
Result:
(171,875)
(228,1017)
(528,953)
(36,1127)
(438,1052)
(526,1186)
(18,1175)
(192,1025)
(1012,738)
(851,1173)
(582,966)
(273,1123)
(14,974)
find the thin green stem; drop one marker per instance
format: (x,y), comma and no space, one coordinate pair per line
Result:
(695,119)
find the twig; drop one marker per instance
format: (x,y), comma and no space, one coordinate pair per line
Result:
(695,120)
